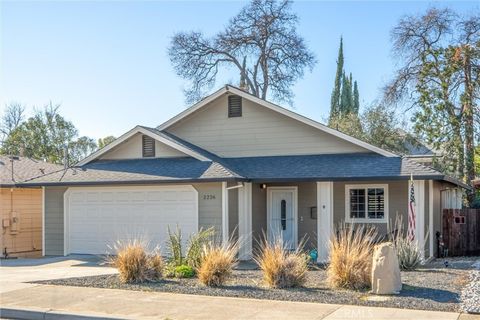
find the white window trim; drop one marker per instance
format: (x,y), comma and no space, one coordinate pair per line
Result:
(348,219)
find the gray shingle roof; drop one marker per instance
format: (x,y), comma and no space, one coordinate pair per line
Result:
(261,169)
(329,166)
(23,169)
(137,171)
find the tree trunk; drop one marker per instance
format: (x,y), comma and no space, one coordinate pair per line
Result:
(469,124)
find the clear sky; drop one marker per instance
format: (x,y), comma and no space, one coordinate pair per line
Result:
(106,62)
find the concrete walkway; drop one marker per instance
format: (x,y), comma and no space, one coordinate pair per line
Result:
(55,302)
(16,273)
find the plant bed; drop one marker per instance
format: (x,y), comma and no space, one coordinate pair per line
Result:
(433,287)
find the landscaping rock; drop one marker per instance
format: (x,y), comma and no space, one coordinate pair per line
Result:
(470,295)
(385,270)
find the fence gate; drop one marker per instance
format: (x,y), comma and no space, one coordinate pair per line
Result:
(461,231)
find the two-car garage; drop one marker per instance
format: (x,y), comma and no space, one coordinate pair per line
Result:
(96,217)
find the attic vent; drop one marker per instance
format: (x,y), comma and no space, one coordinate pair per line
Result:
(234,106)
(148,146)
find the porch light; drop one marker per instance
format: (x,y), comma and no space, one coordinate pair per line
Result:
(263,186)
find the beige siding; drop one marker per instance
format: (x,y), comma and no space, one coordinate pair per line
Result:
(54,220)
(397,202)
(259,213)
(259,132)
(132,149)
(210,209)
(27,204)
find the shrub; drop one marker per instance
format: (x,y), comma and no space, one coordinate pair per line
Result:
(351,251)
(408,252)
(184,271)
(195,246)
(217,263)
(174,246)
(135,264)
(281,268)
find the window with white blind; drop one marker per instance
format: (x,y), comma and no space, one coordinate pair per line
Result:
(366,203)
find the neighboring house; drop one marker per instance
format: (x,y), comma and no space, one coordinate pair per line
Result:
(21,208)
(243,165)
(421,152)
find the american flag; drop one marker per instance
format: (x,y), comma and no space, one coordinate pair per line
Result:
(411,212)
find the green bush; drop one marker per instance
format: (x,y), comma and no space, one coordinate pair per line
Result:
(195,246)
(184,271)
(174,247)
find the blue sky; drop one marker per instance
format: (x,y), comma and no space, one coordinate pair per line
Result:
(106,62)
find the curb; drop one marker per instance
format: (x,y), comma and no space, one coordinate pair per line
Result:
(49,314)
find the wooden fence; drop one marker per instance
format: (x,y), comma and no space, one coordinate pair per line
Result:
(461,231)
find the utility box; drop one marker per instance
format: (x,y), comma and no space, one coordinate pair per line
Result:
(5,223)
(14,222)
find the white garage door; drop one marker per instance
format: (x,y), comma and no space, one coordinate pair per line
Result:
(98,217)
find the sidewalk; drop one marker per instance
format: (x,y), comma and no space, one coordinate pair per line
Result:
(61,302)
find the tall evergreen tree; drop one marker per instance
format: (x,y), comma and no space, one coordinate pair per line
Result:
(356,98)
(346,96)
(335,100)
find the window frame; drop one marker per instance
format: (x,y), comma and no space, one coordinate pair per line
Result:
(349,219)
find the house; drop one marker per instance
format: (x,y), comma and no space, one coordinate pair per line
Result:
(243,165)
(421,152)
(21,208)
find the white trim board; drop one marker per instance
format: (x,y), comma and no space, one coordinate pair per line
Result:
(324,219)
(294,190)
(229,89)
(139,129)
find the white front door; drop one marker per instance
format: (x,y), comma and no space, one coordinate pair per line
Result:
(282,217)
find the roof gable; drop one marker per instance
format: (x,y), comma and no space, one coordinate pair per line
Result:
(158,136)
(275,108)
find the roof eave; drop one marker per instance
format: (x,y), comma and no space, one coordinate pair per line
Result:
(128,182)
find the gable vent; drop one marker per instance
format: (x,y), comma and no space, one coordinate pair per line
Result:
(148,146)
(234,106)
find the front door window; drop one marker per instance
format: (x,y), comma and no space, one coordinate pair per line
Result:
(282,219)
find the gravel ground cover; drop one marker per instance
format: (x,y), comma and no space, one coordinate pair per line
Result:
(470,296)
(433,287)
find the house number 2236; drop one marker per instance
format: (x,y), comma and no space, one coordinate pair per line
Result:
(208,197)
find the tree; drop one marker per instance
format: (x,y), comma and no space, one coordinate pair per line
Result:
(47,135)
(12,117)
(263,34)
(345,98)
(335,100)
(377,125)
(102,142)
(356,98)
(439,53)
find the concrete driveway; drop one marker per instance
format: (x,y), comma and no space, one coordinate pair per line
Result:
(16,273)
